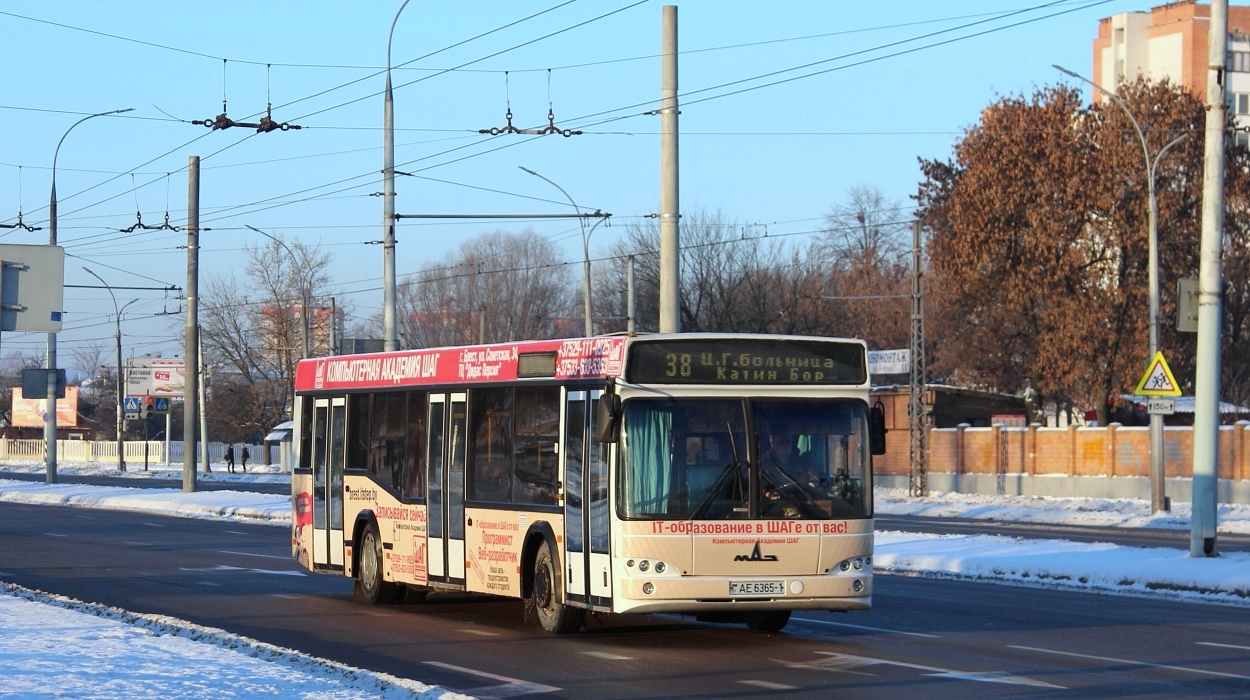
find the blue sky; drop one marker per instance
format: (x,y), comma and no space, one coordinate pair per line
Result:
(779,155)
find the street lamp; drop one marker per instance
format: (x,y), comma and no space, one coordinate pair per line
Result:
(390,333)
(49,426)
(1152,165)
(581,221)
(304,285)
(117,313)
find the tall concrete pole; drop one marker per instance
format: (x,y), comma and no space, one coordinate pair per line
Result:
(390,331)
(670,242)
(1207,379)
(629,295)
(191,341)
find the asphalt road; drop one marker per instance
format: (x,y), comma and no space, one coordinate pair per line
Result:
(1176,539)
(923,639)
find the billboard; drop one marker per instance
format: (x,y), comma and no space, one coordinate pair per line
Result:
(30,413)
(156,376)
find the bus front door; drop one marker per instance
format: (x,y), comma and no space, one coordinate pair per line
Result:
(588,560)
(329,441)
(446,458)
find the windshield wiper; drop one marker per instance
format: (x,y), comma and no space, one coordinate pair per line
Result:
(809,505)
(733,469)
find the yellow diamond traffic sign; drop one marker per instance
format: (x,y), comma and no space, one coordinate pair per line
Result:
(1158,379)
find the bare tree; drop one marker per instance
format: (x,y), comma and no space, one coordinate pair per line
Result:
(252,341)
(497,287)
(866,230)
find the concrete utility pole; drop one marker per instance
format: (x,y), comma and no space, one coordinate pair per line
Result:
(390,331)
(1210,283)
(191,341)
(670,242)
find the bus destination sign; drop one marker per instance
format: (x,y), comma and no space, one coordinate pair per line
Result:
(738,361)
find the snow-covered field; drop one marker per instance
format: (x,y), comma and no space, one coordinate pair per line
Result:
(51,642)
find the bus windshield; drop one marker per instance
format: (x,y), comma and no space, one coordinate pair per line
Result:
(716,459)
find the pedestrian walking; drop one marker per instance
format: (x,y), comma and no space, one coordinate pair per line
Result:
(245,455)
(230,458)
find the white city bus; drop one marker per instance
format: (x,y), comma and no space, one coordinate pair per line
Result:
(723,476)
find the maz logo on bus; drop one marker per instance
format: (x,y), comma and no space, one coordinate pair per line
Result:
(756,555)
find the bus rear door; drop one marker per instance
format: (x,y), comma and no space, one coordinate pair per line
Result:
(329,442)
(446,459)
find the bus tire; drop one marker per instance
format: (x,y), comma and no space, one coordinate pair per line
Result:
(768,621)
(554,616)
(370,586)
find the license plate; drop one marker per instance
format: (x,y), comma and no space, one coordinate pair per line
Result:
(757,588)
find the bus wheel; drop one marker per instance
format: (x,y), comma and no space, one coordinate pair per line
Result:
(370,588)
(771,621)
(555,617)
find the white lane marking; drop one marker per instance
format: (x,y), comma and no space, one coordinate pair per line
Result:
(1226,646)
(283,595)
(981,676)
(480,633)
(153,524)
(138,544)
(260,556)
(864,627)
(511,687)
(236,532)
(54,534)
(210,583)
(224,567)
(1133,663)
(768,685)
(606,655)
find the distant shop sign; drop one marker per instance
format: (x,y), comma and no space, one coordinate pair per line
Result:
(889,361)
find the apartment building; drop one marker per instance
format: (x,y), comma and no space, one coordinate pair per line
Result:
(1170,41)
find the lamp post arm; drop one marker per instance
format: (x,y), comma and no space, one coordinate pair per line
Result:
(1141,136)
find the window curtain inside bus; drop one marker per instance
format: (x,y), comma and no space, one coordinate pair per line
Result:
(649,474)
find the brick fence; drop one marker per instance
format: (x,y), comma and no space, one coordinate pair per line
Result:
(1111,451)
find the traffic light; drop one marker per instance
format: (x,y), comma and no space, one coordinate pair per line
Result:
(148,407)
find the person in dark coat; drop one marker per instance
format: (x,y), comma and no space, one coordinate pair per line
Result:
(230,458)
(245,455)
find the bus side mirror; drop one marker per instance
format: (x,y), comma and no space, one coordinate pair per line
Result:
(608,421)
(876,428)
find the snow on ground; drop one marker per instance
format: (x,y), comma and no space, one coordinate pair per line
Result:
(52,646)
(46,642)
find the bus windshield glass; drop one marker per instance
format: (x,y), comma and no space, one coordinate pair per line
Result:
(708,459)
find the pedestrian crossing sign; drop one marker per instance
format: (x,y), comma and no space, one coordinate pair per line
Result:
(1158,379)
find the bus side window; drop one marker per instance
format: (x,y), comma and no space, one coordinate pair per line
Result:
(537,431)
(414,458)
(490,434)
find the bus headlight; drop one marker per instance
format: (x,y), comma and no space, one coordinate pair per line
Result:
(649,587)
(845,565)
(858,563)
(858,586)
(644,565)
(660,567)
